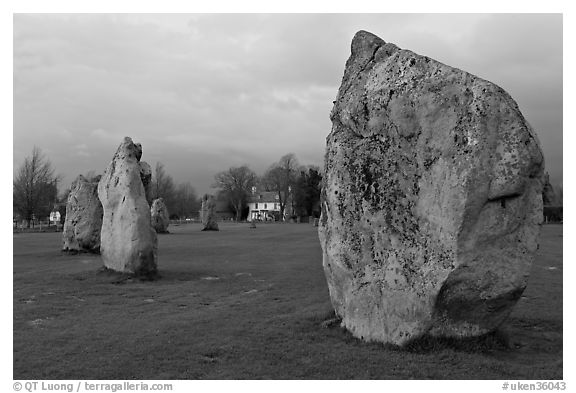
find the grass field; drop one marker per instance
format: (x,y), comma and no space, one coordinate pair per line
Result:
(246,304)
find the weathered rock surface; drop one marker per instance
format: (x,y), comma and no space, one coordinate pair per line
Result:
(431,201)
(128,242)
(159,216)
(83,217)
(208,213)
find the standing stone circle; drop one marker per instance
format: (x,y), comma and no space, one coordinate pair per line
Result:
(128,242)
(431,198)
(208,213)
(159,216)
(83,223)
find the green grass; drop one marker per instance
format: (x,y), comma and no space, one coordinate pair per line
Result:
(247,303)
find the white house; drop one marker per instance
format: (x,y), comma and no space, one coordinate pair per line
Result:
(263,205)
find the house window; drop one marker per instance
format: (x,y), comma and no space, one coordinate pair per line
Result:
(256,205)
(265,206)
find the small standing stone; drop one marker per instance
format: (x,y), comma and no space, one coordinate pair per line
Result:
(83,217)
(159,216)
(208,213)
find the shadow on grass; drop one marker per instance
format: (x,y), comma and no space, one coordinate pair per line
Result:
(81,252)
(497,340)
(106,275)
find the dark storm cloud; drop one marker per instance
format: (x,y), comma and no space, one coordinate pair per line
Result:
(205,92)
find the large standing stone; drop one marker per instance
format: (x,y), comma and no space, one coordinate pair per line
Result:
(83,217)
(208,214)
(128,242)
(159,216)
(431,202)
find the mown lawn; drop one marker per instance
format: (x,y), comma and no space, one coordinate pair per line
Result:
(246,304)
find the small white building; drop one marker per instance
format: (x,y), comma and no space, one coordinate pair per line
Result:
(55,217)
(263,206)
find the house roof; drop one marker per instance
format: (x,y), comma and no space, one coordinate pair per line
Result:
(263,197)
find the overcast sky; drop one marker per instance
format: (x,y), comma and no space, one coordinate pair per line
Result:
(202,93)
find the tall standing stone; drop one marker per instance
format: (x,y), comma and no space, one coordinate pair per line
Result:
(83,217)
(208,213)
(431,202)
(128,242)
(159,216)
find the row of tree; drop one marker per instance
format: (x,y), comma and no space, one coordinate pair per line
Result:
(180,199)
(293,183)
(35,190)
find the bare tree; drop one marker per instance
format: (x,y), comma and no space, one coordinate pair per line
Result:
(281,178)
(186,203)
(306,192)
(162,186)
(35,187)
(236,184)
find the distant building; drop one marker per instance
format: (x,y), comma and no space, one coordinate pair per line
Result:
(55,217)
(263,206)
